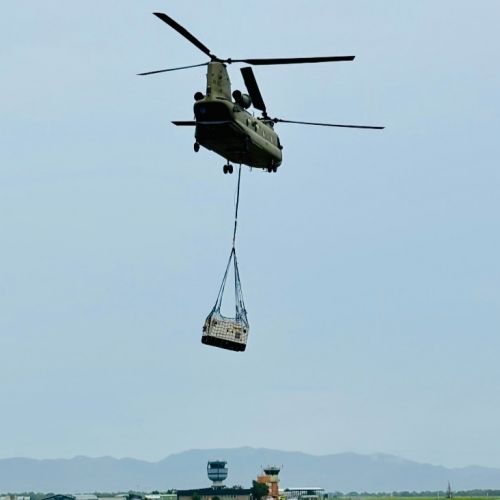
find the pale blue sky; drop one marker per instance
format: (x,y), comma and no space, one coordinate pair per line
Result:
(370,263)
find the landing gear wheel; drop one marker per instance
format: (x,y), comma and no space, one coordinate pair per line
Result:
(196,147)
(230,169)
(275,169)
(269,169)
(225,169)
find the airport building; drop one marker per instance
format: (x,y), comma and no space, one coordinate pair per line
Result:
(159,496)
(304,494)
(215,494)
(60,497)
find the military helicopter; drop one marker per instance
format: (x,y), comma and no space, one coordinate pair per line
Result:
(224,124)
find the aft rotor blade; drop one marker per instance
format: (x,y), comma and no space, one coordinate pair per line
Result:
(253,88)
(191,123)
(294,60)
(171,69)
(183,31)
(279,120)
(215,122)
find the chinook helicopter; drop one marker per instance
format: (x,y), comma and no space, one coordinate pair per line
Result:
(224,124)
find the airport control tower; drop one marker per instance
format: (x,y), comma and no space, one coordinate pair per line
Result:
(217,472)
(271,479)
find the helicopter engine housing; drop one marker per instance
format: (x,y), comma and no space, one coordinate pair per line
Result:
(243,100)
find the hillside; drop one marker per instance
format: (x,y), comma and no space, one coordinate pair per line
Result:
(339,472)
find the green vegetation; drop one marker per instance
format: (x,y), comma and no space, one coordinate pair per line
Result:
(427,495)
(259,490)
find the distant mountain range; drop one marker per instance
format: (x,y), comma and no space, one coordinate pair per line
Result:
(340,472)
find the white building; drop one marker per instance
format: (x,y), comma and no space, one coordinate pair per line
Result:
(306,493)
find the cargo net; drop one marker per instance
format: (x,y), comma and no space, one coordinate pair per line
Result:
(221,331)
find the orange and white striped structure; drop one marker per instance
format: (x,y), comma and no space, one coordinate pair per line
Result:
(271,479)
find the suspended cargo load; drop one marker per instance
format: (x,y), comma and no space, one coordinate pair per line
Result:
(221,331)
(226,333)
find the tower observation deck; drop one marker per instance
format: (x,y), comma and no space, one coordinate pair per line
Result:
(272,470)
(217,472)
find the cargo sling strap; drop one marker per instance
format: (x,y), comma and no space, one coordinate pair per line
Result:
(241,313)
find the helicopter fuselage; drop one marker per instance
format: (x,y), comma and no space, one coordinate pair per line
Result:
(224,125)
(227,128)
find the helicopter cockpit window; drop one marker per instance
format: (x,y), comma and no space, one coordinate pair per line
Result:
(212,111)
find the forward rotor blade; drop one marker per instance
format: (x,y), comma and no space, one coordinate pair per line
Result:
(184,123)
(294,60)
(183,31)
(279,120)
(253,88)
(171,69)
